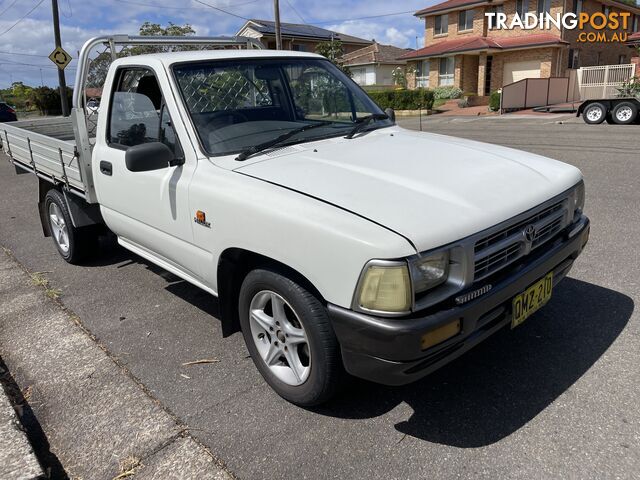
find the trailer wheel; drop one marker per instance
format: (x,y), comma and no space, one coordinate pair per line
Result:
(624,113)
(73,244)
(594,114)
(290,338)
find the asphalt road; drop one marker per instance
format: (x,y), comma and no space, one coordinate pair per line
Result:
(554,398)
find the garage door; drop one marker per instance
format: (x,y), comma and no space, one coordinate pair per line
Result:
(515,71)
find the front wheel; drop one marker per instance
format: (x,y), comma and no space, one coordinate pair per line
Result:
(595,113)
(290,338)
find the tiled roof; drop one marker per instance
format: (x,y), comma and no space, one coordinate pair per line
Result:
(447,5)
(483,43)
(301,31)
(376,53)
(635,37)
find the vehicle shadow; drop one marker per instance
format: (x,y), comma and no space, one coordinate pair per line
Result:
(503,383)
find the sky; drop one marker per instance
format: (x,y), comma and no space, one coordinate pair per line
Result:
(26,31)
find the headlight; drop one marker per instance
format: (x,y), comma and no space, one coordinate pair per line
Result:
(385,288)
(430,271)
(578,201)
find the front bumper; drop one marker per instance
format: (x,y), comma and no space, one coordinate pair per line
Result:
(388,350)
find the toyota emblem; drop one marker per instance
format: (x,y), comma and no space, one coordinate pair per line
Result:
(530,233)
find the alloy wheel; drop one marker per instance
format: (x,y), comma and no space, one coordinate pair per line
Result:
(280,337)
(58,227)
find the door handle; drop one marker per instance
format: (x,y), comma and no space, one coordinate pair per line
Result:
(106,168)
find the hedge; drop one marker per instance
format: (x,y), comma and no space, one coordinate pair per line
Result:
(447,93)
(494,101)
(403,99)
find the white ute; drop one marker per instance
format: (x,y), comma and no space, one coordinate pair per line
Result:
(338,242)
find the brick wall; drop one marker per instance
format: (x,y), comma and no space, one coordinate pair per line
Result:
(469,73)
(431,39)
(557,7)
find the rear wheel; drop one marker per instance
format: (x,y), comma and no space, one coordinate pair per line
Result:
(290,338)
(73,244)
(624,113)
(594,114)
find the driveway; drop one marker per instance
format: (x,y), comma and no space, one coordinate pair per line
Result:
(554,398)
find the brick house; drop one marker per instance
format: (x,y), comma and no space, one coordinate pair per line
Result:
(298,37)
(374,65)
(461,50)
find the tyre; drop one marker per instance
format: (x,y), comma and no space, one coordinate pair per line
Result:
(73,244)
(289,337)
(594,114)
(624,113)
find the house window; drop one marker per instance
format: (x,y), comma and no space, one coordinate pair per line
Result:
(605,10)
(299,48)
(442,25)
(544,6)
(574,58)
(422,73)
(445,74)
(495,10)
(522,7)
(636,21)
(465,20)
(577,7)
(359,75)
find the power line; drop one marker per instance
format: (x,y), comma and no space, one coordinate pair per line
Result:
(6,9)
(22,18)
(324,22)
(221,10)
(296,11)
(23,54)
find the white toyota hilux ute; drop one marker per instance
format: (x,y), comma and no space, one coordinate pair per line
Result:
(338,242)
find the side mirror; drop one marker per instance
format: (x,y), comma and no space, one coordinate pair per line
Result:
(391,113)
(148,156)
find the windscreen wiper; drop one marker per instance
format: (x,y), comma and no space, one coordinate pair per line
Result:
(362,122)
(285,136)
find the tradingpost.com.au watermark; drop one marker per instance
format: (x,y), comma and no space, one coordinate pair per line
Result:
(603,28)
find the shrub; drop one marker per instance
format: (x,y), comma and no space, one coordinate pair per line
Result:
(403,99)
(494,101)
(630,88)
(447,93)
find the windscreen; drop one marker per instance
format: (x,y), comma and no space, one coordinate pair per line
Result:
(238,104)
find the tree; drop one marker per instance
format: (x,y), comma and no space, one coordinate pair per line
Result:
(47,100)
(333,50)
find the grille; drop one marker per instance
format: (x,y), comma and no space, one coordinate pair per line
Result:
(501,248)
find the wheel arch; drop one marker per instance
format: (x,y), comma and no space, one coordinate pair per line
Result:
(233,266)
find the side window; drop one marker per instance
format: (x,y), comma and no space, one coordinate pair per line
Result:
(136,103)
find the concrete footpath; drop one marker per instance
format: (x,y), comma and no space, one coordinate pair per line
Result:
(97,420)
(17,459)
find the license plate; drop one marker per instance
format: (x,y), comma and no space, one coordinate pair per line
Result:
(529,301)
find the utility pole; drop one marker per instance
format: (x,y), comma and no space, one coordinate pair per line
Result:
(276,9)
(61,80)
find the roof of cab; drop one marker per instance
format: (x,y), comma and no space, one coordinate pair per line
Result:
(199,55)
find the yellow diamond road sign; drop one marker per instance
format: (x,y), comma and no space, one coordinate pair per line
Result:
(60,58)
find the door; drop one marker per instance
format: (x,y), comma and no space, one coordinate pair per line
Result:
(148,210)
(516,71)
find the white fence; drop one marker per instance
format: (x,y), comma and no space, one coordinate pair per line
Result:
(603,81)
